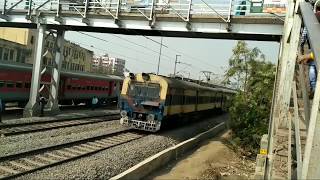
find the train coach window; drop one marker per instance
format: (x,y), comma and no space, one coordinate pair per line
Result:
(168,100)
(10,85)
(96,88)
(69,87)
(88,87)
(83,88)
(99,88)
(27,85)
(74,88)
(18,85)
(1,84)
(79,87)
(91,87)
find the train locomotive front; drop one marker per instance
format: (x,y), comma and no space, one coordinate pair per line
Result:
(142,102)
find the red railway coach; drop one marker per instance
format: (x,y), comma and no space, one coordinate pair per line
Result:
(75,87)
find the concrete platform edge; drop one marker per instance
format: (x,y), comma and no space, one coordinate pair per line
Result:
(156,161)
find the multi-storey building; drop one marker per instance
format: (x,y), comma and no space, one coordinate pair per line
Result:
(117,65)
(100,64)
(11,51)
(76,58)
(108,65)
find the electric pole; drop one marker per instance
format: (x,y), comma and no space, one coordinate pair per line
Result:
(175,64)
(159,55)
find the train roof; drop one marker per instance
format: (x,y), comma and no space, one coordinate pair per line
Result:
(173,82)
(28,67)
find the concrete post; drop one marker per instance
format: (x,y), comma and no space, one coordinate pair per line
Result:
(261,158)
(54,86)
(33,107)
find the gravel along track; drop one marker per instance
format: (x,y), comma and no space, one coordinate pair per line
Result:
(14,129)
(110,162)
(22,163)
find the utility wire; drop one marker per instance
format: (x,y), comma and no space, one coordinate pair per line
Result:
(142,45)
(118,54)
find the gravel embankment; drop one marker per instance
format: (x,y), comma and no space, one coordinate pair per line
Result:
(25,142)
(113,161)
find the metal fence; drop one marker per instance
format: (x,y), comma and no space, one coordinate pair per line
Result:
(181,8)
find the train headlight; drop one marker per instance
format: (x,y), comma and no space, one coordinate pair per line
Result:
(150,117)
(123,113)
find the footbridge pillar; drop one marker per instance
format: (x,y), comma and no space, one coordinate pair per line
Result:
(56,69)
(33,108)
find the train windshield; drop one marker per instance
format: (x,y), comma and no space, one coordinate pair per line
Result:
(151,91)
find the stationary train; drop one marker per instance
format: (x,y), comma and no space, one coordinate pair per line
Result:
(148,100)
(74,88)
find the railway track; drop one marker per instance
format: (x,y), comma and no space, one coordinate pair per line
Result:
(30,161)
(14,129)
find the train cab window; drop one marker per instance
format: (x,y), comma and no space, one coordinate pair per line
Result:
(10,84)
(1,84)
(69,87)
(27,85)
(19,85)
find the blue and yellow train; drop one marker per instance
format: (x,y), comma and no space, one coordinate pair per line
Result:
(147,100)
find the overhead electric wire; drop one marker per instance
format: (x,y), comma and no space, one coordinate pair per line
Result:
(145,46)
(170,58)
(120,55)
(172,49)
(182,53)
(118,44)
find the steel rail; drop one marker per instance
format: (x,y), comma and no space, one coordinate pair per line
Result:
(22,128)
(26,162)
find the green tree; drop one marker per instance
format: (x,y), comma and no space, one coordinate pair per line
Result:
(250,109)
(239,63)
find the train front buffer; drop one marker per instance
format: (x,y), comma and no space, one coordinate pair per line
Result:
(141,114)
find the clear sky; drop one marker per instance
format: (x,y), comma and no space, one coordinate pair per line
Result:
(141,54)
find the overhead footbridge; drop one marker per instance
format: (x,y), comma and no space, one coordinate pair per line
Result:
(230,19)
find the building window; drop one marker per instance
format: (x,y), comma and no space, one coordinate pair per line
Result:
(32,40)
(18,55)
(23,58)
(6,54)
(45,61)
(11,55)
(1,51)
